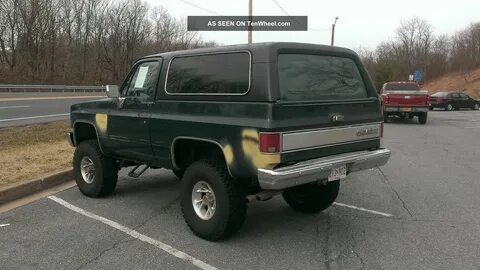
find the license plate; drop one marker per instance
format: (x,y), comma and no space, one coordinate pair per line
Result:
(338,173)
(406,109)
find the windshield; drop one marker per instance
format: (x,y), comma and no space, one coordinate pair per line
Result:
(402,86)
(318,77)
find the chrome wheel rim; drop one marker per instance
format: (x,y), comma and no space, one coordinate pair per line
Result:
(203,200)
(449,107)
(475,107)
(87,168)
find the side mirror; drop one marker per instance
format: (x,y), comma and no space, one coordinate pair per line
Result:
(113,91)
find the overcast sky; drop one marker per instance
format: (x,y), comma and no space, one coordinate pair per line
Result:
(361,23)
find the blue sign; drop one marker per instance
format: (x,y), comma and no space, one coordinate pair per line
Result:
(418,75)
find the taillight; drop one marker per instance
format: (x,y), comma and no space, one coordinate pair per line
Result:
(427,102)
(386,99)
(270,143)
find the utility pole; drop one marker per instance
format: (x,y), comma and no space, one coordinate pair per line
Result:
(250,19)
(333,30)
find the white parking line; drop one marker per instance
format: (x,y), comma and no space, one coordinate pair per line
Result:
(473,127)
(167,248)
(363,209)
(4,225)
(33,117)
(14,107)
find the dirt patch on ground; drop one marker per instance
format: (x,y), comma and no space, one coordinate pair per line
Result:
(32,151)
(469,82)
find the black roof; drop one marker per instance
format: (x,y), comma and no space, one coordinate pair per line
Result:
(266,51)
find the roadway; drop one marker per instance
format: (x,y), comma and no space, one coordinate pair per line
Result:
(420,211)
(17,109)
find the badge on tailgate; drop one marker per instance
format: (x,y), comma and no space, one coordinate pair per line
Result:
(367,131)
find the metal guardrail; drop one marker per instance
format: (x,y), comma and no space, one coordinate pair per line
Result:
(16,88)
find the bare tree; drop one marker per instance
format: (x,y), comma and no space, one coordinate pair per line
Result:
(415,38)
(83,41)
(9,14)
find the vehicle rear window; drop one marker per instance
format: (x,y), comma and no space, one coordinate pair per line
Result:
(440,94)
(402,86)
(224,73)
(319,77)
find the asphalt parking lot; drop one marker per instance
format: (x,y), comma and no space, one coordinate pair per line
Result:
(420,211)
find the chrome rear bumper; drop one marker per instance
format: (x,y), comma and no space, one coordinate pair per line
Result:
(318,169)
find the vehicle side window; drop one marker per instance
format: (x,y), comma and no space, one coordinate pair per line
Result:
(212,74)
(455,96)
(463,96)
(143,83)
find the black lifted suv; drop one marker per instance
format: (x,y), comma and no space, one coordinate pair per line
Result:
(236,124)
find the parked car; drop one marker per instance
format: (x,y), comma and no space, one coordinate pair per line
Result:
(453,101)
(404,99)
(236,124)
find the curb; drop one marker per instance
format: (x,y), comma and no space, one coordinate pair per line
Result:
(20,190)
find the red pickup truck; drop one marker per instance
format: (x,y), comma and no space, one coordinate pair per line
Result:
(404,99)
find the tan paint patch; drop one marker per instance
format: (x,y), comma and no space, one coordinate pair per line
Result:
(101,121)
(251,150)
(228,153)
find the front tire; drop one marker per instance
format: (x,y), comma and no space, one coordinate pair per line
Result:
(449,107)
(312,198)
(178,173)
(476,107)
(213,204)
(96,175)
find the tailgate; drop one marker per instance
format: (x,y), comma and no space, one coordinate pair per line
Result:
(406,98)
(310,130)
(327,106)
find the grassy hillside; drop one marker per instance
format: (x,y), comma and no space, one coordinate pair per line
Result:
(459,81)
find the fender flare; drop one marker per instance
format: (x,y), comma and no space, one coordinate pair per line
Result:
(94,127)
(172,149)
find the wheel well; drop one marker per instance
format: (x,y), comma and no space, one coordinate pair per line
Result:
(84,131)
(186,151)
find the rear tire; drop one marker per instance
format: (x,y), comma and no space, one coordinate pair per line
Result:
(228,195)
(430,108)
(96,175)
(312,198)
(422,118)
(385,118)
(476,107)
